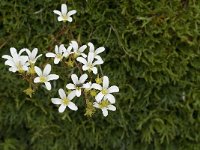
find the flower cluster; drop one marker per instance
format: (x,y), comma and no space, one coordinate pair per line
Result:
(86,84)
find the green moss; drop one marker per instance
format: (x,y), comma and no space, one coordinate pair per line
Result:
(152,53)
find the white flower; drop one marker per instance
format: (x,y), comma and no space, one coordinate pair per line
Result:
(16,61)
(63,14)
(78,50)
(78,84)
(32,55)
(45,76)
(60,52)
(105,91)
(64,101)
(97,51)
(104,106)
(89,64)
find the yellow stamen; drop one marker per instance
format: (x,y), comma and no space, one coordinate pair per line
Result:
(104,91)
(104,104)
(98,80)
(43,79)
(66,101)
(59,56)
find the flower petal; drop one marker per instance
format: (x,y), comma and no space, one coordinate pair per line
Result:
(62,108)
(105,82)
(111,107)
(47,70)
(64,9)
(85,67)
(62,93)
(91,47)
(7,57)
(56,49)
(78,93)
(105,112)
(98,62)
(95,104)
(48,85)
(90,57)
(72,106)
(50,55)
(60,18)
(70,86)
(71,95)
(69,19)
(99,97)
(113,89)
(37,80)
(83,78)
(72,12)
(110,98)
(56,101)
(56,60)
(96,86)
(94,70)
(57,12)
(52,77)
(82,48)
(74,45)
(82,60)
(74,78)
(38,71)
(99,50)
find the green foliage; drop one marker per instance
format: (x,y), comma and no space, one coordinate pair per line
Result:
(152,53)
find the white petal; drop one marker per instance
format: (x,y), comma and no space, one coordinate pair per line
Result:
(95,104)
(13,52)
(111,107)
(56,100)
(78,93)
(38,71)
(72,12)
(64,9)
(94,70)
(91,47)
(87,85)
(99,97)
(99,50)
(98,62)
(62,108)
(105,112)
(113,89)
(105,82)
(57,12)
(74,45)
(37,80)
(56,60)
(70,86)
(48,85)
(13,69)
(90,57)
(50,55)
(110,98)
(74,78)
(9,63)
(83,78)
(47,70)
(72,106)
(81,60)
(56,49)
(82,48)
(85,67)
(98,58)
(62,93)
(69,19)
(52,77)
(34,52)
(96,86)
(7,57)
(83,55)
(71,95)
(60,18)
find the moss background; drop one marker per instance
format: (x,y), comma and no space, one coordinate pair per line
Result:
(152,54)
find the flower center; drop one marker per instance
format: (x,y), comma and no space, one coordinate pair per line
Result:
(59,56)
(65,17)
(66,101)
(43,79)
(104,104)
(20,68)
(104,91)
